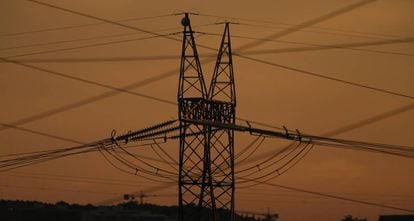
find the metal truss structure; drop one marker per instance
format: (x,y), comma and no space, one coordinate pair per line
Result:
(206,153)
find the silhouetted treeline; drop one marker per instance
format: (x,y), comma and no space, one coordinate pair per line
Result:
(130,211)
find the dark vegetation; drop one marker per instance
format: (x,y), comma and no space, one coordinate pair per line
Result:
(131,211)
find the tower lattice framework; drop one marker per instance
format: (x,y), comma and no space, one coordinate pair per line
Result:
(206,154)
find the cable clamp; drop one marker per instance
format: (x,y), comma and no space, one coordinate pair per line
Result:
(250,127)
(299,136)
(113,133)
(286,132)
(127,137)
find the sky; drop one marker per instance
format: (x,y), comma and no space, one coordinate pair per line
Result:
(265,93)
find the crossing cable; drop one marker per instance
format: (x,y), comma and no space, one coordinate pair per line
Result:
(318,32)
(290,163)
(279,34)
(81,26)
(89,100)
(81,39)
(171,164)
(284,151)
(296,25)
(46,151)
(26,159)
(258,167)
(69,179)
(250,45)
(143,161)
(14,126)
(329,195)
(137,169)
(348,46)
(168,155)
(133,166)
(92,45)
(165,101)
(242,151)
(312,22)
(67,76)
(160,76)
(49,155)
(401,153)
(355,125)
(143,156)
(35,159)
(59,190)
(288,31)
(101,19)
(296,136)
(312,47)
(314,74)
(239,162)
(48,60)
(128,172)
(369,121)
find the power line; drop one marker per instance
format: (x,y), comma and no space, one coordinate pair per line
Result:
(348,46)
(253,44)
(81,26)
(14,126)
(119,90)
(109,180)
(296,25)
(313,30)
(100,19)
(239,55)
(89,100)
(58,190)
(331,196)
(311,22)
(90,45)
(60,74)
(67,180)
(325,77)
(155,78)
(313,47)
(349,127)
(370,120)
(249,45)
(76,40)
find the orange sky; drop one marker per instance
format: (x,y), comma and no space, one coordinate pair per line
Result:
(264,93)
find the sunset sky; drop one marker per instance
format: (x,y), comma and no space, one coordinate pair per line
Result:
(86,48)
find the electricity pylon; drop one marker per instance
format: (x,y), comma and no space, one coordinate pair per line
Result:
(206,154)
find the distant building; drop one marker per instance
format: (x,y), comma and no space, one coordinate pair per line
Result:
(396,218)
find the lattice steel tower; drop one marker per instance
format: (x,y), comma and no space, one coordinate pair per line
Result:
(206,155)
